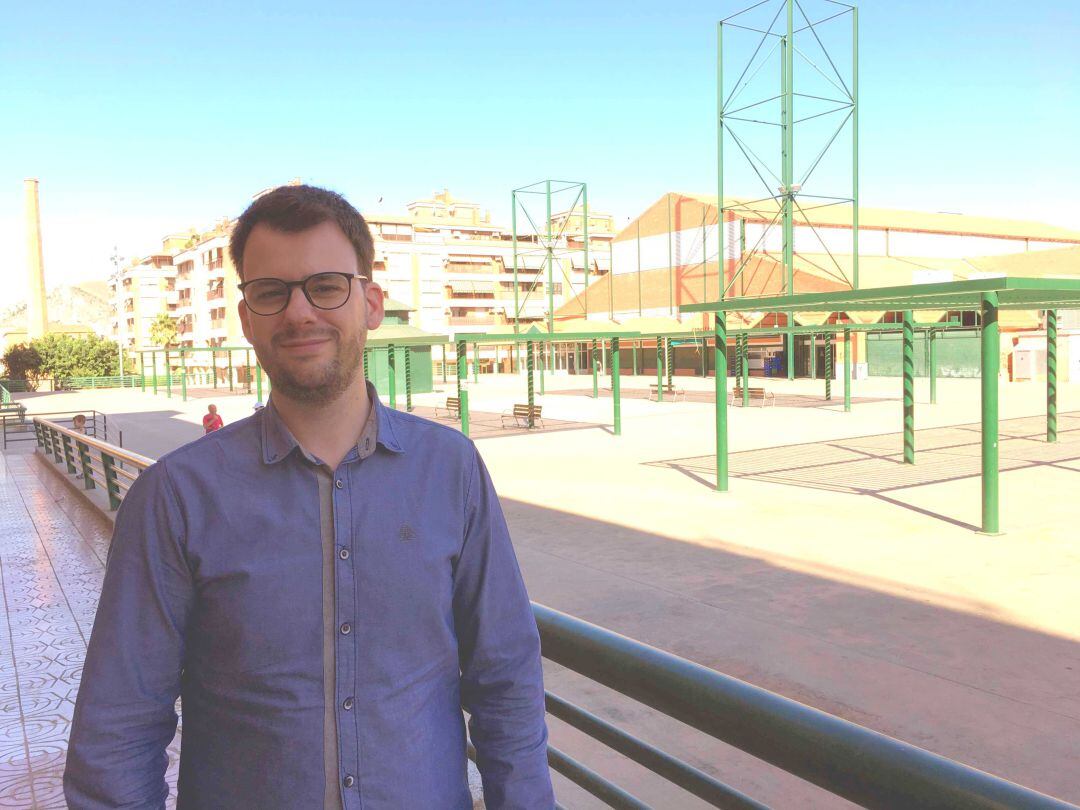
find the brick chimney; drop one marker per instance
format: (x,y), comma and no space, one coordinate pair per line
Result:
(37,317)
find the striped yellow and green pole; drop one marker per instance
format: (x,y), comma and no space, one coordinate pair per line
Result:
(462,363)
(595,380)
(168,375)
(669,360)
(991,360)
(828,365)
(744,369)
(476,362)
(408,379)
(909,387)
(1051,375)
(463,411)
(258,383)
(615,387)
(530,358)
(721,363)
(232,384)
(847,369)
(183,377)
(462,391)
(659,369)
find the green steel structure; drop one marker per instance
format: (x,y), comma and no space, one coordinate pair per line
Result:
(785,32)
(986,296)
(531,338)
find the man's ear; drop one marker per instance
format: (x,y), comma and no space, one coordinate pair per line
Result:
(373,300)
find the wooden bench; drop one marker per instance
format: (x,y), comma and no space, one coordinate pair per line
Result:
(520,416)
(670,391)
(754,394)
(452,408)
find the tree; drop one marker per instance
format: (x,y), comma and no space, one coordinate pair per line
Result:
(163,331)
(70,356)
(22,362)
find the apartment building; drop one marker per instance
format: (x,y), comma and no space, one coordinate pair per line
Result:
(138,294)
(207,294)
(455,268)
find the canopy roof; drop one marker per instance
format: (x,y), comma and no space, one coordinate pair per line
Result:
(401,334)
(534,334)
(1012,293)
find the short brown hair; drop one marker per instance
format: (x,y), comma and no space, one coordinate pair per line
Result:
(291,209)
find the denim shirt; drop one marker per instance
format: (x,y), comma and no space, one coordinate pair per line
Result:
(213,592)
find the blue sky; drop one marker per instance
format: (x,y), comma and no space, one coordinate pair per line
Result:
(145,118)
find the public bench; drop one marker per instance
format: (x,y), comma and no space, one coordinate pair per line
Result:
(670,391)
(520,415)
(760,395)
(452,408)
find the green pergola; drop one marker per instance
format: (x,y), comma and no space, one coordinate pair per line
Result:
(390,338)
(986,296)
(181,352)
(533,336)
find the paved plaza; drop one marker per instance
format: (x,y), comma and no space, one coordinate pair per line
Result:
(831,573)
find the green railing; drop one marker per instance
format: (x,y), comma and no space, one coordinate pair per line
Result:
(73,383)
(97,463)
(5,395)
(14,386)
(848,760)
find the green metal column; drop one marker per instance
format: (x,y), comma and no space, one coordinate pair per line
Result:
(931,339)
(1051,375)
(813,356)
(213,367)
(391,376)
(721,361)
(408,379)
(530,358)
(550,274)
(828,365)
(247,368)
(855,147)
(476,362)
(232,383)
(142,371)
(462,365)
(669,360)
(443,364)
(595,381)
(615,386)
(659,369)
(847,370)
(991,360)
(258,383)
(633,355)
(183,377)
(744,369)
(168,375)
(153,362)
(367,365)
(789,341)
(463,411)
(909,387)
(543,361)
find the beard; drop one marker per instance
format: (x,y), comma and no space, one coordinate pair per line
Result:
(313,383)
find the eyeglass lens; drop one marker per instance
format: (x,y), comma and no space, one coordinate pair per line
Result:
(268,296)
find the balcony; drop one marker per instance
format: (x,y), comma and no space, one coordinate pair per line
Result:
(216,295)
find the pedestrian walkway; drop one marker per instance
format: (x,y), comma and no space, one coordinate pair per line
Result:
(52,559)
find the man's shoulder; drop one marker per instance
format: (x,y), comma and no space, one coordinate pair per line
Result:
(417,434)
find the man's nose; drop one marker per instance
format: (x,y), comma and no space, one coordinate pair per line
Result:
(299,309)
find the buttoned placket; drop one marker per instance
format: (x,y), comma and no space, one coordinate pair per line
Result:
(346,653)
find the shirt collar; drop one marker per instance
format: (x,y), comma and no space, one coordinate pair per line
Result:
(278,441)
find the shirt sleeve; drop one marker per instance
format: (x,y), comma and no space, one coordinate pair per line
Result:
(125,714)
(502,683)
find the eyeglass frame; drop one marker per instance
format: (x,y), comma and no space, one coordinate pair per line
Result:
(302,284)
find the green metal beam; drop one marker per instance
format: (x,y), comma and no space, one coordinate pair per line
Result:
(909,388)
(720,360)
(847,370)
(391,365)
(931,339)
(1051,375)
(616,386)
(991,360)
(595,380)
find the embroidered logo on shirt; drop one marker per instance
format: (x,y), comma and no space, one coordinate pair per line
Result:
(406,533)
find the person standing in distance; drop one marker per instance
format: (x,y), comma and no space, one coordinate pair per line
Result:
(325,583)
(212,420)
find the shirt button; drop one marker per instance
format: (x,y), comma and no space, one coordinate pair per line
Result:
(339,484)
(346,628)
(347,704)
(348,781)
(343,553)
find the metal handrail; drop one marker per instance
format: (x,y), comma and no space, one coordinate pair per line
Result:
(846,759)
(74,449)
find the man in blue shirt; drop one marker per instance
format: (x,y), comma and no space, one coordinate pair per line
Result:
(324,584)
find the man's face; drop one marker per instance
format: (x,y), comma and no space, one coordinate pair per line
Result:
(312,355)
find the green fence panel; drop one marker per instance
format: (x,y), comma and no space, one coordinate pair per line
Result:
(957,354)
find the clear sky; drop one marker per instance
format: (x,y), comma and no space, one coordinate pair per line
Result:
(144,118)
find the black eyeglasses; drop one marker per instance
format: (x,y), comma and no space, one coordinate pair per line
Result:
(269,296)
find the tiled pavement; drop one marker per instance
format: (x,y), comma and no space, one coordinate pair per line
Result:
(52,559)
